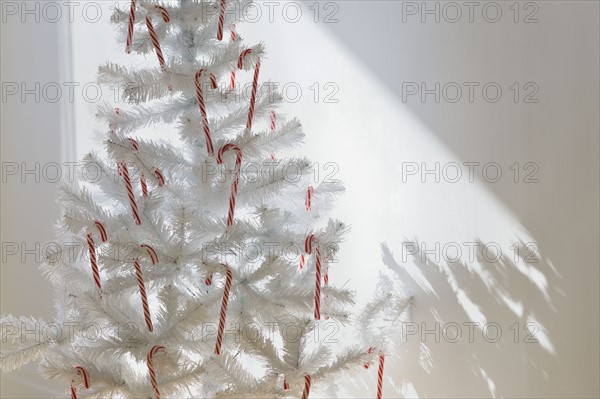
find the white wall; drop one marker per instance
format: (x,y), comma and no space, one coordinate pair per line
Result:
(371,134)
(32,133)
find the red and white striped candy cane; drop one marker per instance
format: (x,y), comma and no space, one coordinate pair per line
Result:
(200,95)
(165,16)
(94,263)
(223,5)
(234,185)
(85,377)
(273,128)
(233,38)
(130,27)
(151,252)
(273,121)
(308,201)
(308,247)
(135,145)
(380,376)
(101,230)
(159,176)
(142,287)
(370,351)
(286,385)
(223,314)
(151,371)
(306,390)
(123,171)
(144,185)
(243,55)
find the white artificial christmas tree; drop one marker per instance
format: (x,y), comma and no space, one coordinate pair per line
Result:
(205,269)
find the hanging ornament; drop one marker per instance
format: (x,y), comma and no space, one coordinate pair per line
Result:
(202,105)
(143,295)
(222,7)
(307,383)
(153,37)
(308,247)
(234,185)
(223,314)
(151,371)
(85,381)
(123,171)
(243,55)
(233,38)
(130,27)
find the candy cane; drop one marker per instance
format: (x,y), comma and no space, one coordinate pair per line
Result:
(308,202)
(380,376)
(130,27)
(94,263)
(159,176)
(286,385)
(308,246)
(306,391)
(301,261)
(273,127)
(221,20)
(165,16)
(244,54)
(135,145)
(142,286)
(83,373)
(233,38)
(150,363)
(273,120)
(208,280)
(223,315)
(370,351)
(102,230)
(152,253)
(200,95)
(234,185)
(144,186)
(123,171)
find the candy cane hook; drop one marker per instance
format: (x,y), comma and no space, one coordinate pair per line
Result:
(151,371)
(223,314)
(101,230)
(308,246)
(151,252)
(223,5)
(244,54)
(159,176)
(83,373)
(307,383)
(144,296)
(130,27)
(370,351)
(202,105)
(234,185)
(153,37)
(123,171)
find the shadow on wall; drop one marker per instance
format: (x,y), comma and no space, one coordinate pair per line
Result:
(498,340)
